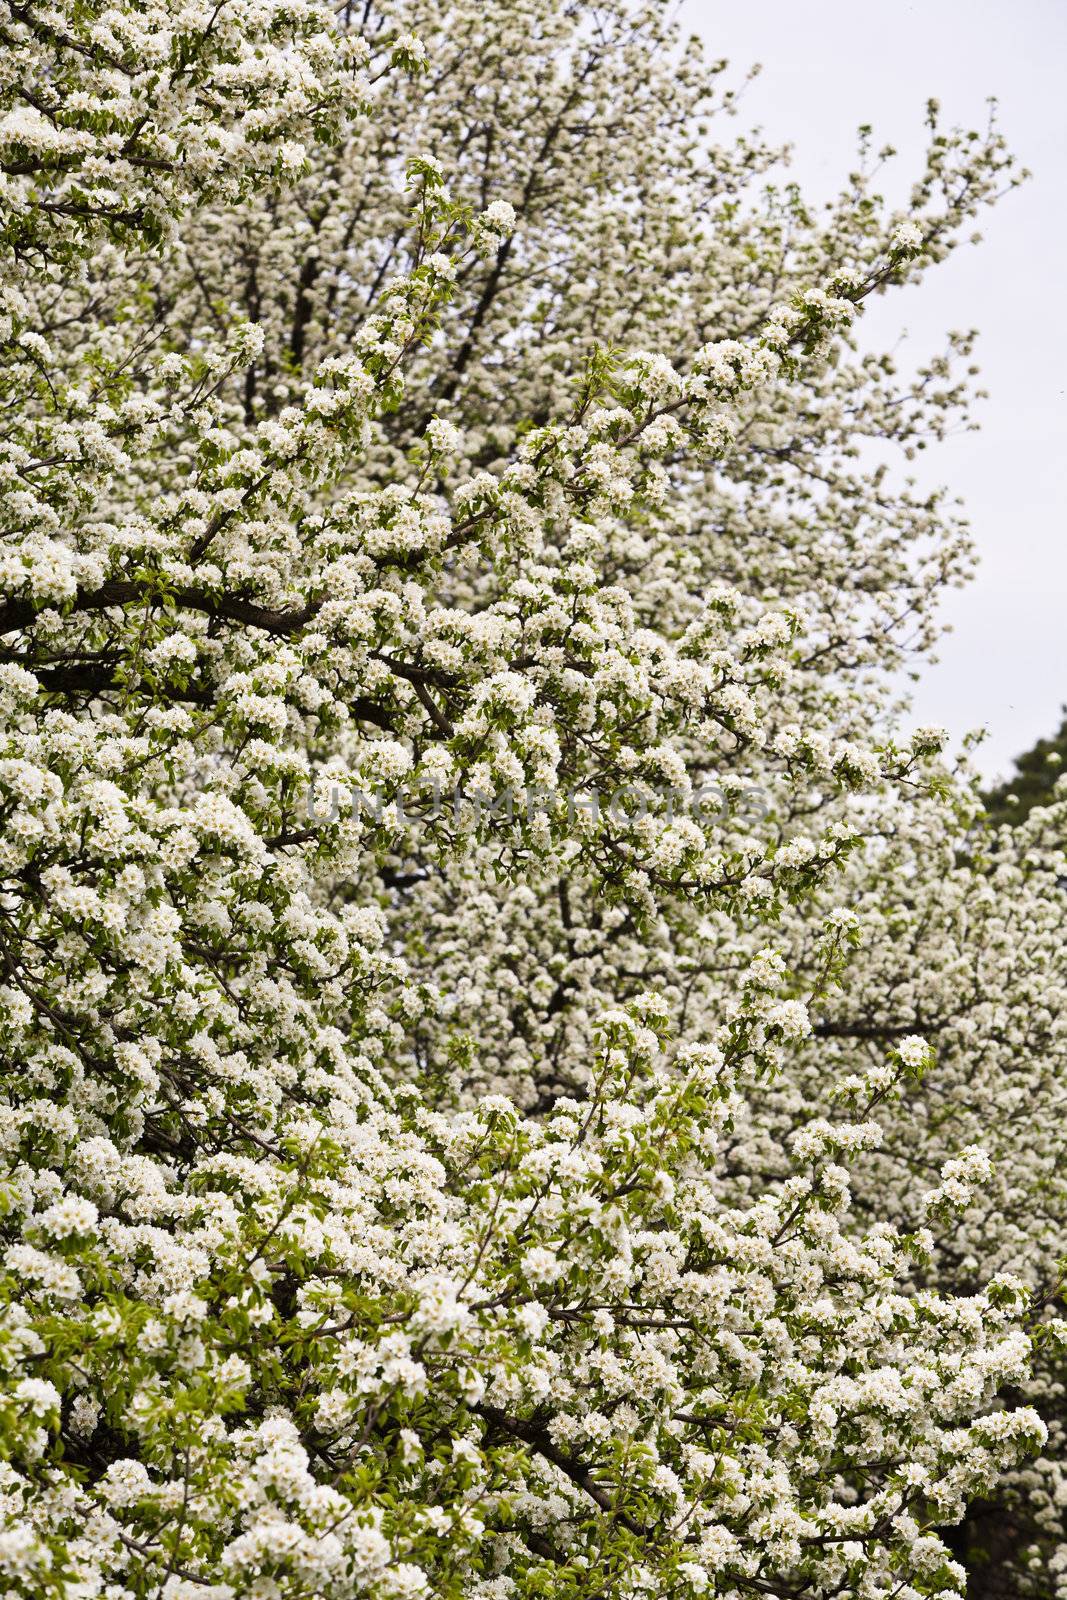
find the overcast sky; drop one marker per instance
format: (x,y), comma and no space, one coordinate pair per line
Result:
(830,65)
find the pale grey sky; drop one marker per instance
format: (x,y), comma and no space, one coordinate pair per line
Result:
(829,66)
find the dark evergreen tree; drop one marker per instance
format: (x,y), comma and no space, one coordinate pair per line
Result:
(1031,784)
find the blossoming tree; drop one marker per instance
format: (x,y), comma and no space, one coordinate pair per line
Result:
(516,1193)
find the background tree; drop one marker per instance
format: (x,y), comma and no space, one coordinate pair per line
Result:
(1037,772)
